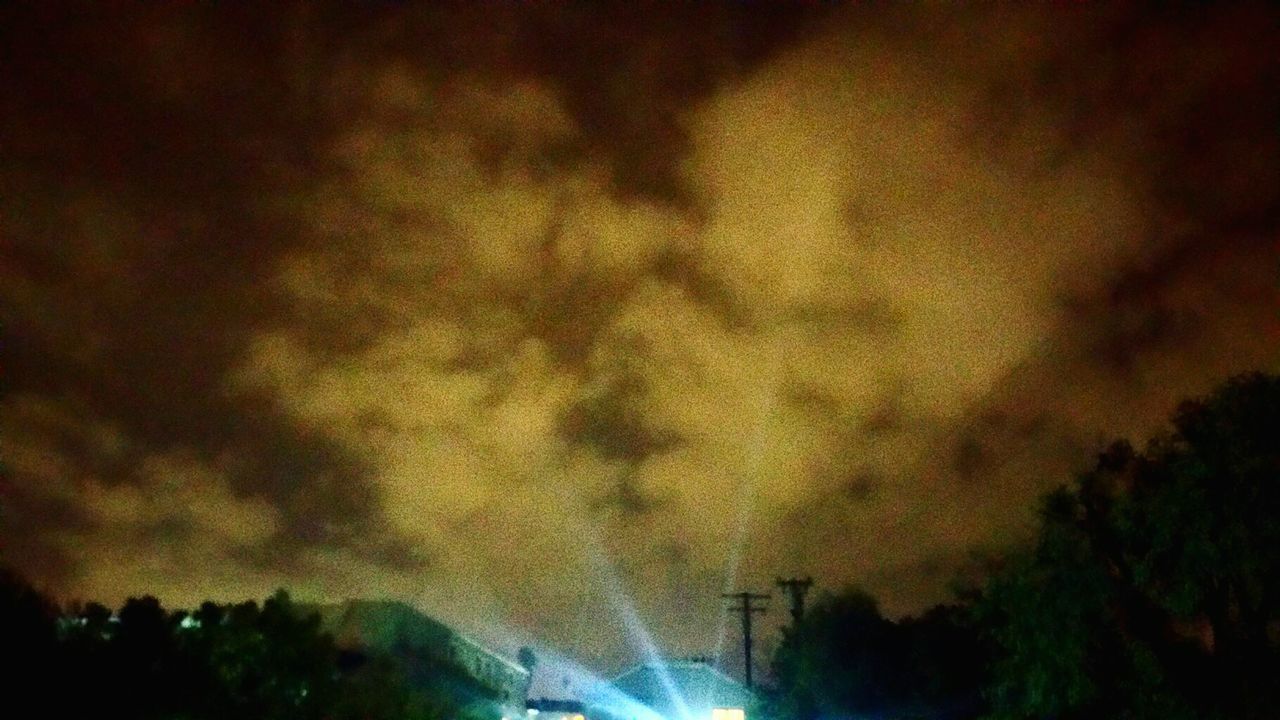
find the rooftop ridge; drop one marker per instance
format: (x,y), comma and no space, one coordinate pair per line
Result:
(680,663)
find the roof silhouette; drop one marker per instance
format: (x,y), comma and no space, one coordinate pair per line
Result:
(700,686)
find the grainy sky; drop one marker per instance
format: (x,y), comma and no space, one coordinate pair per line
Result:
(511,311)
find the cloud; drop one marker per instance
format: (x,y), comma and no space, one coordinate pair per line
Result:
(497,311)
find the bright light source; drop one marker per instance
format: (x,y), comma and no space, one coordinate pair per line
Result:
(728,714)
(533,711)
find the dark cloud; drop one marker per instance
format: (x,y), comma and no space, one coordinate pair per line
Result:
(139,246)
(886,418)
(872,315)
(683,267)
(862,487)
(970,458)
(630,71)
(628,498)
(27,517)
(812,398)
(614,423)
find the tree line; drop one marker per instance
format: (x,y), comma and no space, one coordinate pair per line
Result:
(263,661)
(1151,590)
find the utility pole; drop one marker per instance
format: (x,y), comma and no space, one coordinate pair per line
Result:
(795,588)
(747,608)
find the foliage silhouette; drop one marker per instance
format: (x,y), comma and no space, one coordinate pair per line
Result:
(268,662)
(844,659)
(1153,587)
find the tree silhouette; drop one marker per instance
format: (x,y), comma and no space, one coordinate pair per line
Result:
(29,646)
(844,659)
(219,662)
(1153,589)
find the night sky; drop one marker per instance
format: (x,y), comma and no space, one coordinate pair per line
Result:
(525,313)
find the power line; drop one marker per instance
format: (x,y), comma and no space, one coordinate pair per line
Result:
(795,589)
(747,608)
